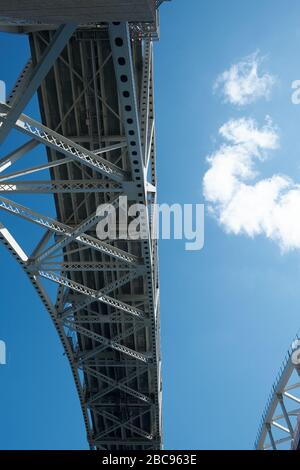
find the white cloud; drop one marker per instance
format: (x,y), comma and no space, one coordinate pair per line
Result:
(243,84)
(269,206)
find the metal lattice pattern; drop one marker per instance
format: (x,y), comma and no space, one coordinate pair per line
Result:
(280,424)
(98,131)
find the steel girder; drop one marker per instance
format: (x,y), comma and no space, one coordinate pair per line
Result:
(30,82)
(97,110)
(280,424)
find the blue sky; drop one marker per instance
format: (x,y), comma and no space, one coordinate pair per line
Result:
(228,312)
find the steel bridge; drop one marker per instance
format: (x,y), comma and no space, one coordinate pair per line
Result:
(280,424)
(93,75)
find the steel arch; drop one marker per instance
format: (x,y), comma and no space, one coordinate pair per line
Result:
(280,422)
(101,145)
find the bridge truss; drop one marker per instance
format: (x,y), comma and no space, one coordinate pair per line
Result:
(95,93)
(280,424)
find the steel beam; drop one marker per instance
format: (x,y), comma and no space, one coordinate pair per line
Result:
(18,153)
(116,384)
(59,187)
(60,38)
(95,295)
(60,228)
(61,144)
(285,382)
(108,343)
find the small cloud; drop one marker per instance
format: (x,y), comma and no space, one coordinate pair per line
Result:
(244,131)
(268,207)
(243,83)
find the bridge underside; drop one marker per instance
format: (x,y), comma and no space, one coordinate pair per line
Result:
(97,114)
(62,11)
